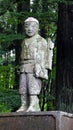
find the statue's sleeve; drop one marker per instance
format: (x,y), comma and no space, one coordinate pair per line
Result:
(40,60)
(49,54)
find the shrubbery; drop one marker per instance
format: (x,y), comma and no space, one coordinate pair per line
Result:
(7,77)
(9,100)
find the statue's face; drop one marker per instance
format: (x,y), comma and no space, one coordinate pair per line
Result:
(31,28)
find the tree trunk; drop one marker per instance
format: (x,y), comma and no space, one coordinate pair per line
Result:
(64,78)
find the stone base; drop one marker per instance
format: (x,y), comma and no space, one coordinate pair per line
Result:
(50,120)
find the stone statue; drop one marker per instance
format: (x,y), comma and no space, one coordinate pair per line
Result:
(35,60)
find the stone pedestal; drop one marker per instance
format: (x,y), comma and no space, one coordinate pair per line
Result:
(53,120)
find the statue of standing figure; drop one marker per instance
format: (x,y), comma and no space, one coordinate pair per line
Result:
(35,60)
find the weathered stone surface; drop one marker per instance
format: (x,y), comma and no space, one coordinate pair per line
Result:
(35,61)
(66,121)
(27,121)
(54,120)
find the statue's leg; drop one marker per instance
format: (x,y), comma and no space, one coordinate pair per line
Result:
(23,106)
(34,85)
(23,92)
(34,104)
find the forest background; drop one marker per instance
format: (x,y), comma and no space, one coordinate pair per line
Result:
(12,16)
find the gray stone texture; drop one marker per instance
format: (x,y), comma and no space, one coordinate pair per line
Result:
(35,60)
(52,120)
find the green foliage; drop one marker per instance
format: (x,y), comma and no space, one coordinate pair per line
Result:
(47,102)
(10,37)
(9,100)
(4,109)
(46,12)
(7,77)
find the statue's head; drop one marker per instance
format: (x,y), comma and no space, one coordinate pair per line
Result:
(31,26)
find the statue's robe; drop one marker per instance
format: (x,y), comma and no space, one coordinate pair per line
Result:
(35,57)
(35,60)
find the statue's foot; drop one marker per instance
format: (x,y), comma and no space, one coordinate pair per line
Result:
(21,109)
(32,109)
